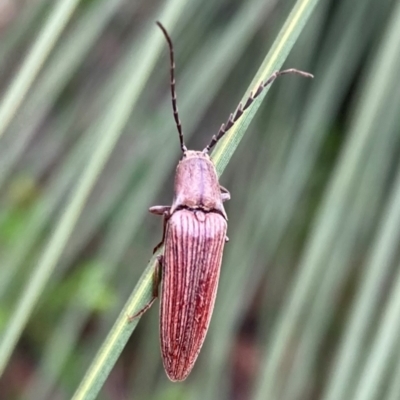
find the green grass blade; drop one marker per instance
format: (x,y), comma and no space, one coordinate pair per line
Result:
(287,226)
(385,341)
(116,339)
(379,262)
(143,290)
(274,60)
(57,73)
(110,129)
(325,231)
(19,29)
(45,42)
(394,385)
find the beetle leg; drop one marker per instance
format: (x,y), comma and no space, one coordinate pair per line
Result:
(157,275)
(166,216)
(156,284)
(159,210)
(225,195)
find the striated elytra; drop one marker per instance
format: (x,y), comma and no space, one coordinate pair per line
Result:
(194,238)
(194,235)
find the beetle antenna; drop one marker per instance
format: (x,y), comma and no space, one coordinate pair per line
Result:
(173,91)
(242,108)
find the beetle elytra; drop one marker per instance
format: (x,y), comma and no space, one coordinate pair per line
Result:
(194,235)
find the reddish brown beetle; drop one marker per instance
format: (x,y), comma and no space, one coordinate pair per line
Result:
(194,236)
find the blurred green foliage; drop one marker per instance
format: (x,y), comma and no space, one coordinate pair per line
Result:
(308,303)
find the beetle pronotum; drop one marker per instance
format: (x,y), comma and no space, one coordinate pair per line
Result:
(194,235)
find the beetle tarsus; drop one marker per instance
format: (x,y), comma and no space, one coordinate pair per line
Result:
(142,311)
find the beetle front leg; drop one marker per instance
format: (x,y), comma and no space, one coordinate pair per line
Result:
(160,210)
(156,285)
(225,195)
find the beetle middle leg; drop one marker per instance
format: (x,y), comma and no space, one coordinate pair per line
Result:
(156,285)
(161,210)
